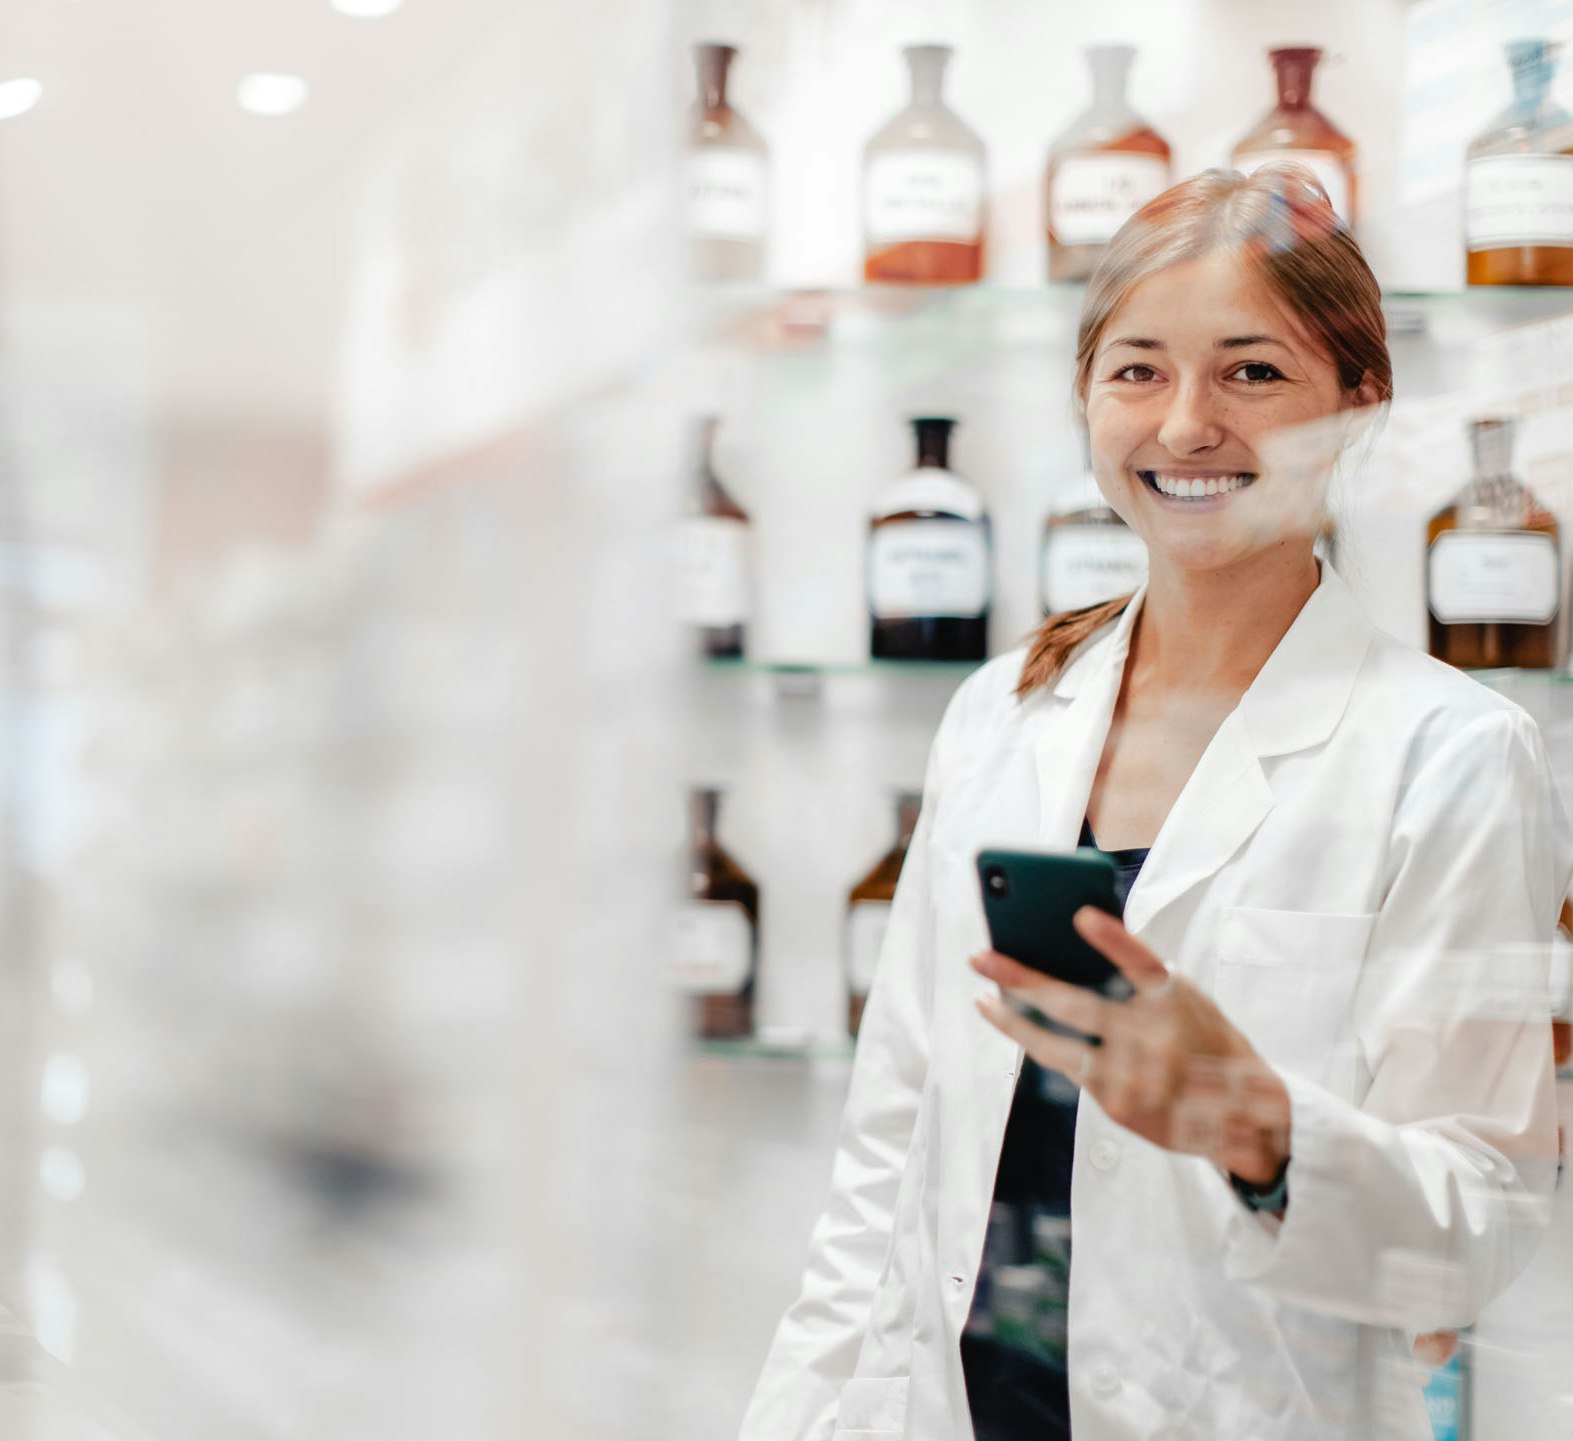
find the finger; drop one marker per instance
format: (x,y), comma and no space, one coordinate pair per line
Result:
(1135,960)
(1073,1006)
(1073,1059)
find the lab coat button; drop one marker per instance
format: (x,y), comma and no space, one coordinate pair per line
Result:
(1105,1155)
(1105,1379)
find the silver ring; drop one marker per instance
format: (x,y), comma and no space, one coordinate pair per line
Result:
(1080,1078)
(1164,987)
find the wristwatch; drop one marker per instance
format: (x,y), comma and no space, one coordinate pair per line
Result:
(1270,1197)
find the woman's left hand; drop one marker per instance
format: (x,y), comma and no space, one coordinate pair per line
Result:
(1170,1066)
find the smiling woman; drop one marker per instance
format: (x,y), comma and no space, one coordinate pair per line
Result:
(1323,1119)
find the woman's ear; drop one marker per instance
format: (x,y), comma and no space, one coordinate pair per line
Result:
(1362,395)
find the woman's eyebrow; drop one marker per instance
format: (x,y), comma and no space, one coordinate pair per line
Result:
(1136,342)
(1242,342)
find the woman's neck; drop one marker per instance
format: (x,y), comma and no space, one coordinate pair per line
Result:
(1214,630)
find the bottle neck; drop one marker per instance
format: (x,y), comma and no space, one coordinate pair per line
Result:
(926,64)
(1492,443)
(933,444)
(1111,68)
(713,63)
(1533,72)
(703,807)
(1294,79)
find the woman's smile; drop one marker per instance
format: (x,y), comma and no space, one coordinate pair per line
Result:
(1189,486)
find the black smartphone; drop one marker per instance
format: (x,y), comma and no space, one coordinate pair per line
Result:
(1029,898)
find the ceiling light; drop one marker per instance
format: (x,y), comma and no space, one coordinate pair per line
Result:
(17,97)
(366,9)
(272,94)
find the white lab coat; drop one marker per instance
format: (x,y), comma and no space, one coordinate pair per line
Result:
(1368,859)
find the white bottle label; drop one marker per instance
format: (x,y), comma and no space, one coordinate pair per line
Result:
(924,568)
(726,193)
(923,195)
(1492,576)
(1327,167)
(865,937)
(1518,200)
(1091,196)
(712,948)
(713,567)
(1088,564)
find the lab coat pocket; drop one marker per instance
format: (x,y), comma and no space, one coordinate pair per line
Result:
(872,1407)
(1286,979)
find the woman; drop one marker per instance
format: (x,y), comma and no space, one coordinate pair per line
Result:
(1324,1124)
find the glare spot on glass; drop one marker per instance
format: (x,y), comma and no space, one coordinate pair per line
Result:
(366,9)
(72,985)
(272,94)
(61,1173)
(54,1306)
(64,1093)
(18,96)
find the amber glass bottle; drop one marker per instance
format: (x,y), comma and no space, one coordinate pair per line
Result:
(868,911)
(1518,186)
(716,946)
(715,558)
(1102,169)
(930,577)
(924,188)
(1493,566)
(728,175)
(1295,130)
(1089,554)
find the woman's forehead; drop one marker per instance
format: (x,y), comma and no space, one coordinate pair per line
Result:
(1213,297)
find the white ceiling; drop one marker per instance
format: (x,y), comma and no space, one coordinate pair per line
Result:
(139,189)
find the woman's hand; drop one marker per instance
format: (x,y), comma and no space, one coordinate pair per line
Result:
(1170,1067)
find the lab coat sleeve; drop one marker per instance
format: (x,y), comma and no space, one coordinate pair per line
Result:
(816,1345)
(1418,1205)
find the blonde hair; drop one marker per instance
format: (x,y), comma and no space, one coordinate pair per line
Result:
(1280,223)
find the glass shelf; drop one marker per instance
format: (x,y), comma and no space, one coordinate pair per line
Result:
(766,317)
(1508,678)
(952,670)
(774,1051)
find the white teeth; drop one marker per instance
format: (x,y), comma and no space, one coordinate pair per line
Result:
(1186,488)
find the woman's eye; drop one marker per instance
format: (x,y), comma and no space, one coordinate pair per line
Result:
(1258,372)
(1135,372)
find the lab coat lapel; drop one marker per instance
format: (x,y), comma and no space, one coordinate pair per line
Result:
(1296,701)
(1067,750)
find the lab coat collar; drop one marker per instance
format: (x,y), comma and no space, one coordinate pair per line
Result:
(1295,702)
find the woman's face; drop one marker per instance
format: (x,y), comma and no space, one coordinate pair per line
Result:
(1194,374)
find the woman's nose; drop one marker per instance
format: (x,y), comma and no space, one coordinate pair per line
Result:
(1189,424)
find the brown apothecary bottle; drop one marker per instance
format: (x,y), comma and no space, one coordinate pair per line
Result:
(716,949)
(728,179)
(1102,169)
(868,911)
(1493,566)
(924,187)
(1518,182)
(716,557)
(1295,131)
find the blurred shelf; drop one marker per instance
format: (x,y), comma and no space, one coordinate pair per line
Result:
(774,318)
(1510,678)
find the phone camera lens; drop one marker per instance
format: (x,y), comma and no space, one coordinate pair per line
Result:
(994,879)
